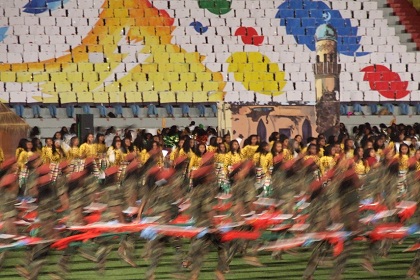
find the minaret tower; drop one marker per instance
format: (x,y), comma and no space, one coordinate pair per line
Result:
(327,79)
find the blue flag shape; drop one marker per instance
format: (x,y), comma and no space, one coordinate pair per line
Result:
(3,31)
(41,6)
(302,17)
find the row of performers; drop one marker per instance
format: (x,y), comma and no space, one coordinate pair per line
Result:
(227,154)
(334,197)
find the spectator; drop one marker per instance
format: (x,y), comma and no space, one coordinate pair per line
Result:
(135,109)
(169,110)
(185,110)
(70,110)
(118,110)
(102,110)
(201,110)
(19,109)
(86,109)
(53,110)
(36,110)
(152,111)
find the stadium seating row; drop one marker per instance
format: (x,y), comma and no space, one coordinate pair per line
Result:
(238,93)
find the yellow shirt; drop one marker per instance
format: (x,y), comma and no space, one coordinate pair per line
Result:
(360,168)
(183,153)
(101,148)
(265,161)
(176,153)
(232,159)
(249,151)
(227,146)
(403,162)
(145,157)
(57,157)
(314,157)
(321,152)
(287,155)
(88,150)
(211,149)
(18,151)
(46,154)
(326,163)
(195,162)
(23,158)
(220,158)
(74,153)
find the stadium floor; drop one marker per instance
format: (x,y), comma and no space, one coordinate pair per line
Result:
(395,266)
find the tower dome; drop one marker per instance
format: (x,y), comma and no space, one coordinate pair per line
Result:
(325,32)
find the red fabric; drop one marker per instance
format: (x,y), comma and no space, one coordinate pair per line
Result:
(415,247)
(264,221)
(8,180)
(181,219)
(371,161)
(30,216)
(234,234)
(388,231)
(63,243)
(93,218)
(373,207)
(406,213)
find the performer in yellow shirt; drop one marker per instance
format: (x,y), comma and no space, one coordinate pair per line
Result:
(312,153)
(74,151)
(276,148)
(403,156)
(348,148)
(328,161)
(212,147)
(24,154)
(263,158)
(178,151)
(221,154)
(115,154)
(321,146)
(226,140)
(287,154)
(58,153)
(250,147)
(21,147)
(37,145)
(195,161)
(361,167)
(379,146)
(234,155)
(275,136)
(413,146)
(100,144)
(46,152)
(154,148)
(88,149)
